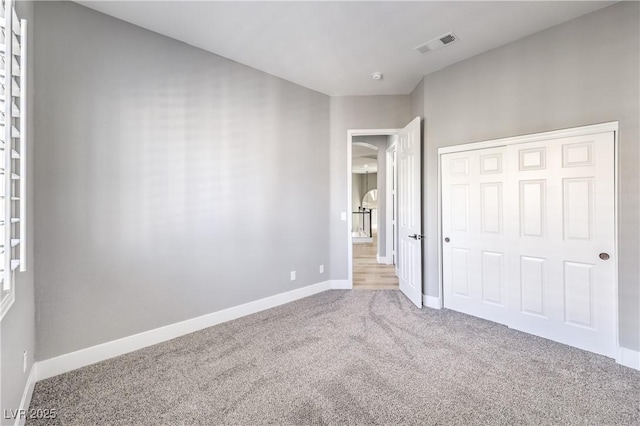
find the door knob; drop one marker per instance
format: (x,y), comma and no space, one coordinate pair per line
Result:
(446,240)
(604,256)
(416,237)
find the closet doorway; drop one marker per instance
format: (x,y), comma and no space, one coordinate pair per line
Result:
(529,234)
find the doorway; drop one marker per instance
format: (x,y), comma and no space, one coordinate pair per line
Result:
(373,267)
(405,259)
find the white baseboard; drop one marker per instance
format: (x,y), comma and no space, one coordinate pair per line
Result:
(381,259)
(341,285)
(431,302)
(628,358)
(27,394)
(74,360)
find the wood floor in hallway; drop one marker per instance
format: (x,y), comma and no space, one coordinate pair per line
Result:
(368,274)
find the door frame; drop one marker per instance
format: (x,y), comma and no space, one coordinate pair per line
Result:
(611,126)
(390,204)
(350,134)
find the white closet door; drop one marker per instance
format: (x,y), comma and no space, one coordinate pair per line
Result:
(529,238)
(473,185)
(560,219)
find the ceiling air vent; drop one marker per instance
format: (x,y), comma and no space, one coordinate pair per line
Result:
(437,43)
(449,38)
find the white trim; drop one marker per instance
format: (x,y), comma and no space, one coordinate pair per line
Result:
(27,394)
(616,201)
(440,283)
(349,211)
(611,126)
(371,132)
(431,302)
(350,134)
(385,260)
(628,358)
(341,285)
(83,357)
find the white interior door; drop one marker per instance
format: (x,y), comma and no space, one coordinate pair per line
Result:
(529,238)
(409,221)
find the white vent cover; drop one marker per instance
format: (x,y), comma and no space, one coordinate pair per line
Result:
(438,43)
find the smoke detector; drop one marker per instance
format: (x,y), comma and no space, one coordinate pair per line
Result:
(437,43)
(376,76)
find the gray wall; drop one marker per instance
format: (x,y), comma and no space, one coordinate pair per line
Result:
(417,101)
(356,191)
(582,72)
(17,329)
(354,112)
(171,182)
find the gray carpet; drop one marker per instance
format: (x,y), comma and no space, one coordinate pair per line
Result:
(348,357)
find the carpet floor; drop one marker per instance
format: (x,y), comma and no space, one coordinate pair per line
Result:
(348,357)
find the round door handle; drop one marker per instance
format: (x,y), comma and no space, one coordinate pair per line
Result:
(446,240)
(604,256)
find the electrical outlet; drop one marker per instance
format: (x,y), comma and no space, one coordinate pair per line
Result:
(24,362)
(293,275)
(343,216)
(322,269)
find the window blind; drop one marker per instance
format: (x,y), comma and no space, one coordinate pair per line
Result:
(13,149)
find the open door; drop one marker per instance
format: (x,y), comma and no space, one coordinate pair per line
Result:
(410,212)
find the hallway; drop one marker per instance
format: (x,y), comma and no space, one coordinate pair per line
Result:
(368,274)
